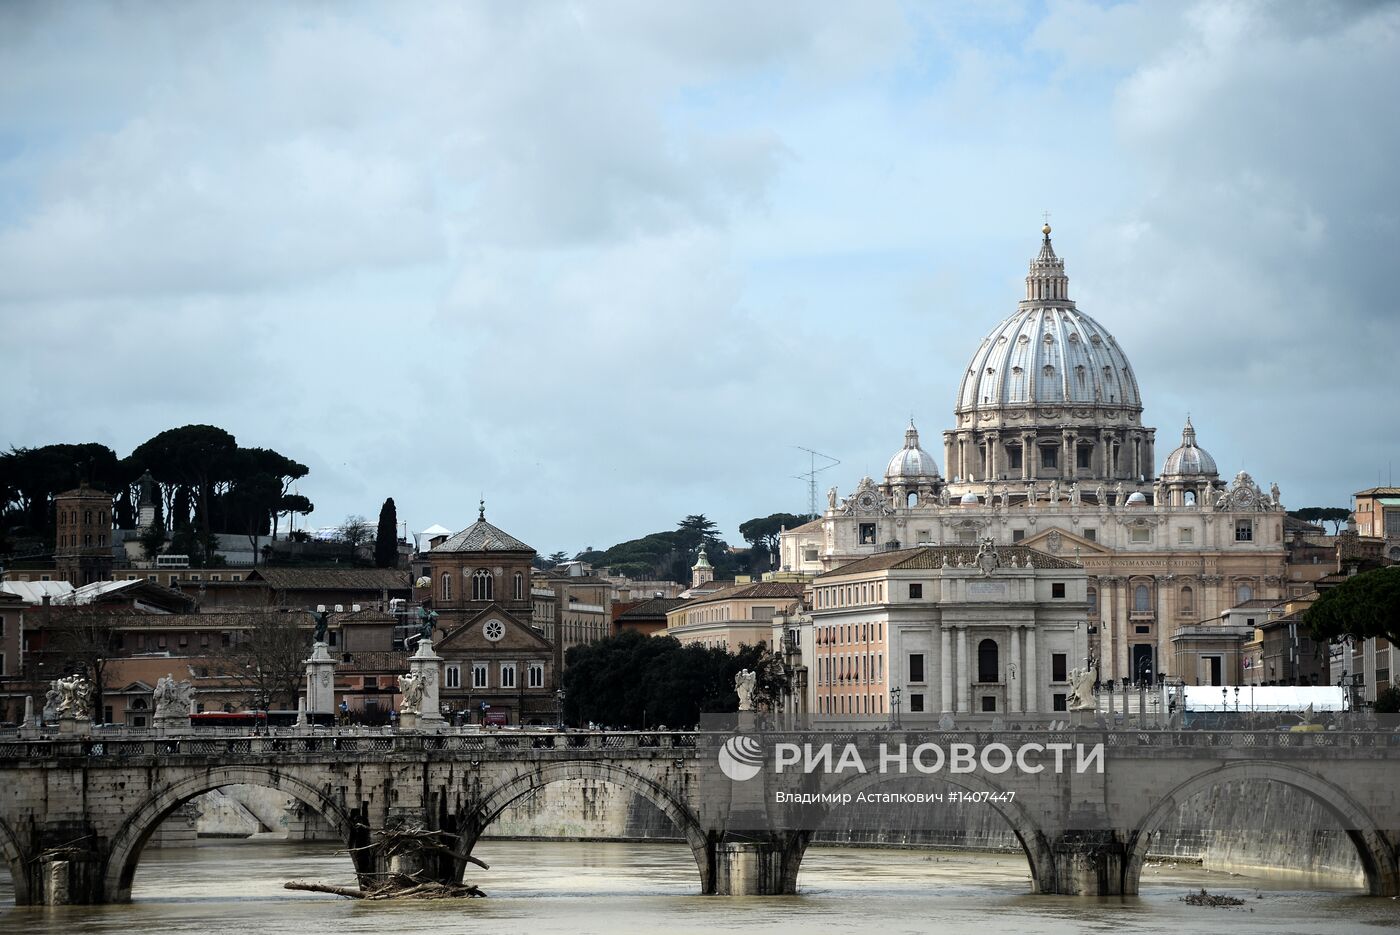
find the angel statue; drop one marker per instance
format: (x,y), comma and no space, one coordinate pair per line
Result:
(1081,693)
(744,683)
(411,687)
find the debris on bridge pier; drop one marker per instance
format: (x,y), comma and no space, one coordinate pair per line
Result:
(396,888)
(406,848)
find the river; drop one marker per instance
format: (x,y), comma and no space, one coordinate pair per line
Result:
(223,888)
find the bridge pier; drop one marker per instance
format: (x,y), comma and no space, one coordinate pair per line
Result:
(67,868)
(1089,863)
(757,868)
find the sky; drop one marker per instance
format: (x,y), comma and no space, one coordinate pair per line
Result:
(606,264)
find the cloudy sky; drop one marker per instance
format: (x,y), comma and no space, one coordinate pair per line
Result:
(608,263)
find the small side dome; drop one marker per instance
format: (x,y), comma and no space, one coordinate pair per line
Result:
(1189,459)
(1137,499)
(969,499)
(911,463)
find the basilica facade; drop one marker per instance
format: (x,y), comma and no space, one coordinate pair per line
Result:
(1048,451)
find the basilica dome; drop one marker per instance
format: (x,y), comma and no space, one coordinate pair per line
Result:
(1048,353)
(1189,460)
(911,464)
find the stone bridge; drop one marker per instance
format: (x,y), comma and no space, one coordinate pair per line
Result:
(76,812)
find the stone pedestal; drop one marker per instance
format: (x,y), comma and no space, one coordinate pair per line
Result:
(427,665)
(74,727)
(320,681)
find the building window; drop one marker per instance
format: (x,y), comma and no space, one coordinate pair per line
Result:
(536,675)
(507,675)
(445,592)
(1244,593)
(1140,534)
(1013,458)
(1093,598)
(1185,535)
(1244,530)
(1091,534)
(1143,628)
(989,703)
(1050,457)
(236,577)
(478,675)
(916,703)
(1188,600)
(1059,667)
(1017,535)
(916,667)
(452,677)
(1057,589)
(1083,456)
(1142,599)
(988,665)
(916,591)
(481,585)
(867,533)
(519,580)
(809,555)
(1059,702)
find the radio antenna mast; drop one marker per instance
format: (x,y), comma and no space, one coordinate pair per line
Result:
(811,476)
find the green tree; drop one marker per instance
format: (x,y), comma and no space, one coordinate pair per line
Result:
(386,540)
(1388,701)
(1361,607)
(195,458)
(762,533)
(1322,514)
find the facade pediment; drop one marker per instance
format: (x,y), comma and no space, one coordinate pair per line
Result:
(1061,542)
(479,632)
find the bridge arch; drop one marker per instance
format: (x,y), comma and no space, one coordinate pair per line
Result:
(1032,839)
(13,856)
(1378,854)
(489,808)
(124,853)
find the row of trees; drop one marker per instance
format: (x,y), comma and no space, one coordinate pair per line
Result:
(643,682)
(203,483)
(669,555)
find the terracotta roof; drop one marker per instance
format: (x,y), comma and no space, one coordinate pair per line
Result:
(656,607)
(932,556)
(332,579)
(481,536)
(1378,492)
(813,526)
(379,662)
(763,590)
(365,616)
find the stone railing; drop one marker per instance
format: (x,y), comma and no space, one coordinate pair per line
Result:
(527,744)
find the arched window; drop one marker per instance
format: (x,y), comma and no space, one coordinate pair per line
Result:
(1244,593)
(1142,598)
(1190,497)
(87,516)
(445,592)
(1093,600)
(988,667)
(1188,599)
(912,499)
(481,585)
(519,580)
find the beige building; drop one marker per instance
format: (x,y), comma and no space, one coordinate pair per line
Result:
(1048,451)
(741,615)
(1377,515)
(981,631)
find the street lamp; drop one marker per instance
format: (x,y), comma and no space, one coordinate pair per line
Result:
(894,706)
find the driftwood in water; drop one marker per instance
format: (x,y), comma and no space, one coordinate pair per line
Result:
(1211,899)
(405,840)
(397,888)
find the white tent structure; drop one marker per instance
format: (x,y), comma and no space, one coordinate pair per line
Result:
(429,534)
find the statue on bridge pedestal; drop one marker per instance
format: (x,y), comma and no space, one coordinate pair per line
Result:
(172,699)
(744,683)
(1081,692)
(321,618)
(74,697)
(427,623)
(411,687)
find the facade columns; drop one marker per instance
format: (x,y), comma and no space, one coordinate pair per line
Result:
(1027,450)
(1108,613)
(1013,688)
(949,446)
(945,669)
(962,670)
(1032,667)
(1163,616)
(1066,455)
(990,447)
